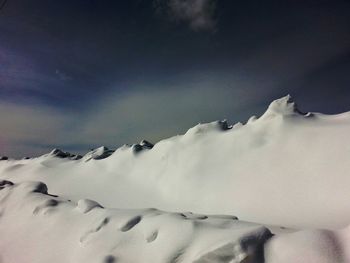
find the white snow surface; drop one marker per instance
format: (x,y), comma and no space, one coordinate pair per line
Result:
(286,168)
(38,227)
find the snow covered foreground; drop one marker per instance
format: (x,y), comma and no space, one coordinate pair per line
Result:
(38,227)
(285,169)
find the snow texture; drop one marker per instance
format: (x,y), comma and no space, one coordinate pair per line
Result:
(38,227)
(287,171)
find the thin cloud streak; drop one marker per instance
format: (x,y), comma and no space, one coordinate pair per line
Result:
(198,14)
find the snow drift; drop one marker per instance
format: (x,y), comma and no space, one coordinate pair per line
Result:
(39,227)
(286,168)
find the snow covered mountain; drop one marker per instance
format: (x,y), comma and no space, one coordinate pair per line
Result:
(286,168)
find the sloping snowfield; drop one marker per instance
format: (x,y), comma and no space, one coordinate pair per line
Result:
(283,175)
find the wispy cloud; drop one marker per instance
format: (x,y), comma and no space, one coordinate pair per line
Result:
(62,75)
(198,14)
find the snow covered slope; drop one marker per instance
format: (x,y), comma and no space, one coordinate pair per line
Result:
(285,168)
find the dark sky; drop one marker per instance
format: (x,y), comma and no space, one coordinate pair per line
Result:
(76,74)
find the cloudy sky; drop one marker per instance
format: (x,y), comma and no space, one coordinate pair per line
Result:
(76,74)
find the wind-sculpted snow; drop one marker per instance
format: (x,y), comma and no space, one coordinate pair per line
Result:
(286,168)
(310,246)
(291,164)
(60,154)
(37,227)
(98,154)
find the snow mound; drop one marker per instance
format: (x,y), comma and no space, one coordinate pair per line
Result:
(86,205)
(312,246)
(98,154)
(143,145)
(146,144)
(52,229)
(61,154)
(208,127)
(48,228)
(282,106)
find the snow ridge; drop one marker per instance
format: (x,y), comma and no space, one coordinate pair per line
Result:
(285,169)
(284,106)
